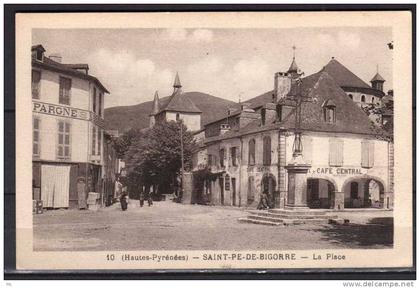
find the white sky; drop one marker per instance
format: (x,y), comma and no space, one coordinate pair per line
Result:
(134,63)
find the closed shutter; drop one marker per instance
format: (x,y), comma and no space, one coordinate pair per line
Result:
(336,152)
(368,154)
(55,186)
(371,154)
(365,154)
(307,149)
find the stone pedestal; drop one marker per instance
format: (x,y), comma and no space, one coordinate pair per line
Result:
(388,200)
(338,200)
(187,188)
(297,184)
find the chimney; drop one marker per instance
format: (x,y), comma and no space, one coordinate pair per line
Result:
(282,84)
(268,112)
(56,57)
(224,128)
(247,115)
(230,111)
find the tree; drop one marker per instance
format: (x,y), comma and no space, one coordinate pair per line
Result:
(154,156)
(387,108)
(123,142)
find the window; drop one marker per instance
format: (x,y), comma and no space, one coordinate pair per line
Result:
(65,87)
(373,99)
(351,96)
(336,152)
(267,150)
(94,140)
(222,157)
(363,98)
(94,100)
(36,80)
(233,155)
(368,151)
(99,141)
(263,112)
(177,116)
(210,160)
(100,104)
(354,190)
(251,152)
(329,111)
(35,143)
(63,140)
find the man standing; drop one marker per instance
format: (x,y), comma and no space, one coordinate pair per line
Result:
(141,196)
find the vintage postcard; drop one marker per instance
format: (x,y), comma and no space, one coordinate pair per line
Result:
(239,140)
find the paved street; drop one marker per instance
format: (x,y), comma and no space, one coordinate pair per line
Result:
(172,226)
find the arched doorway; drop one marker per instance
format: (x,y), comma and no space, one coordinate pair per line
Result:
(268,185)
(320,193)
(364,192)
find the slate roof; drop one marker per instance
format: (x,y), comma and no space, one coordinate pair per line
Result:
(49,64)
(322,88)
(378,78)
(177,102)
(343,76)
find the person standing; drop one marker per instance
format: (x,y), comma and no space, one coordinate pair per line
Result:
(141,196)
(150,199)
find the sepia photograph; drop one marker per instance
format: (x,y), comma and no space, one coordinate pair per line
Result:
(223,145)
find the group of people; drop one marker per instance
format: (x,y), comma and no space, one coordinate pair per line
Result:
(122,194)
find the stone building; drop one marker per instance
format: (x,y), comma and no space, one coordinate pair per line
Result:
(247,152)
(176,108)
(68,131)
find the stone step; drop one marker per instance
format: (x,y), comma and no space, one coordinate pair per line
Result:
(297,212)
(265,218)
(305,221)
(292,216)
(260,222)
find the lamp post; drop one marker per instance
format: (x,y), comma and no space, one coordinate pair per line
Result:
(182,156)
(297,168)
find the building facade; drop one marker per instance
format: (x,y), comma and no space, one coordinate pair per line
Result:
(68,131)
(246,153)
(176,107)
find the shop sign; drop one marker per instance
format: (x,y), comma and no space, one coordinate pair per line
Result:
(337,171)
(65,111)
(227,183)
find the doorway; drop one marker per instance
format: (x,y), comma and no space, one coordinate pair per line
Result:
(221,186)
(233,191)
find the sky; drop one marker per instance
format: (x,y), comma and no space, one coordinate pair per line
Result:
(228,63)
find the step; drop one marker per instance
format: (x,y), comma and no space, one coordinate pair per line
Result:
(305,221)
(291,216)
(265,218)
(297,212)
(260,222)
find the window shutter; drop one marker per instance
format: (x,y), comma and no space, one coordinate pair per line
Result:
(336,152)
(365,154)
(340,145)
(371,154)
(332,156)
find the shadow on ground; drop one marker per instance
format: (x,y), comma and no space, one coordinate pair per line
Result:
(377,231)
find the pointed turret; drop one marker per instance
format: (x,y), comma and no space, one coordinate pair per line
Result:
(377,81)
(155,109)
(177,83)
(293,69)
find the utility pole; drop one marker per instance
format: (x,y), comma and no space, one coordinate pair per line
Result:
(182,157)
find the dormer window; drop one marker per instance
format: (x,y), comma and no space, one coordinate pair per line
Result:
(329,111)
(263,113)
(38,53)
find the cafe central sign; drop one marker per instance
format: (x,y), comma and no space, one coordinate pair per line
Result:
(65,111)
(337,171)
